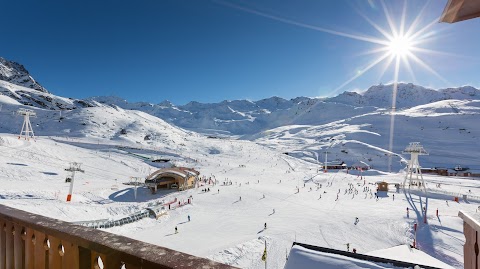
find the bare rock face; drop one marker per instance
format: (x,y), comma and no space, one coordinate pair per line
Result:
(16,73)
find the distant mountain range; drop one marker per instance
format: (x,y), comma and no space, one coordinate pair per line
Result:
(237,117)
(353,127)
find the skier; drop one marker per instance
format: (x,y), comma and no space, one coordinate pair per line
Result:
(240,198)
(188,217)
(393,197)
(176,230)
(218,190)
(265,225)
(348,246)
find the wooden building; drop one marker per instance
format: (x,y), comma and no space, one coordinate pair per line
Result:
(382,186)
(180,178)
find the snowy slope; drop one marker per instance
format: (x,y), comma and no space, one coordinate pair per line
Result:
(39,99)
(447,129)
(224,227)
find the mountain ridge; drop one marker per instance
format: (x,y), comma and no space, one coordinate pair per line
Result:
(17,74)
(238,117)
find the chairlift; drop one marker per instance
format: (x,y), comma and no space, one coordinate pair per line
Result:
(68,179)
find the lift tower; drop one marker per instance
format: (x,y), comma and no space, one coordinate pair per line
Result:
(413,167)
(27,130)
(74,167)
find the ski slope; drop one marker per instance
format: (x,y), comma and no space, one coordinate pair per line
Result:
(222,226)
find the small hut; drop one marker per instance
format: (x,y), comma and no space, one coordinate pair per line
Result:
(382,186)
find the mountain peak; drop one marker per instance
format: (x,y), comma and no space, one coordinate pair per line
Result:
(17,74)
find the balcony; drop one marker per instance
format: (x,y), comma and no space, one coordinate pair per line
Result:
(36,242)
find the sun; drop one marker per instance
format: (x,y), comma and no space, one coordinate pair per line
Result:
(400,46)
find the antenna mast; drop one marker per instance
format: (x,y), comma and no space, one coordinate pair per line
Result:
(27,130)
(74,167)
(414,149)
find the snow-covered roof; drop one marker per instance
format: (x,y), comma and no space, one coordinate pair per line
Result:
(397,257)
(179,171)
(408,254)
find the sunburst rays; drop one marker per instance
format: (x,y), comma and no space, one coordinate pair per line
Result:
(397,45)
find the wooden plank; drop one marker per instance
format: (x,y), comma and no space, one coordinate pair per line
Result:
(2,244)
(40,257)
(9,245)
(71,256)
(29,249)
(84,256)
(18,247)
(108,261)
(131,266)
(54,258)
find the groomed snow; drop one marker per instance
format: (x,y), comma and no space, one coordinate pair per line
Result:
(222,226)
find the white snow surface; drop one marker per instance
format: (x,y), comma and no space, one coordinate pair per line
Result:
(222,226)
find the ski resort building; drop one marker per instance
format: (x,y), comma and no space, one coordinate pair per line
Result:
(180,178)
(382,186)
(403,256)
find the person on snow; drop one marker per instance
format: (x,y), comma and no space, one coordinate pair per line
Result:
(176,230)
(265,225)
(348,246)
(188,217)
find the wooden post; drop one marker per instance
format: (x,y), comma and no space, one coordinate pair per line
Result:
(29,249)
(109,261)
(54,258)
(71,256)
(18,246)
(9,245)
(2,244)
(40,260)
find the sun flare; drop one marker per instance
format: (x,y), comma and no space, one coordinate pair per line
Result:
(400,46)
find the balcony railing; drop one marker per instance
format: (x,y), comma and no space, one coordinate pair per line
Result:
(36,242)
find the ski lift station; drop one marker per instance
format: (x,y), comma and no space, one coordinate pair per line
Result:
(180,178)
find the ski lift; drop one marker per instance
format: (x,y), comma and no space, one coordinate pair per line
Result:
(68,179)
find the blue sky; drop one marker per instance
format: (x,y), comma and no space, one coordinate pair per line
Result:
(209,51)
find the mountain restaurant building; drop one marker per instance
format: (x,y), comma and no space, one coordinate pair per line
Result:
(180,178)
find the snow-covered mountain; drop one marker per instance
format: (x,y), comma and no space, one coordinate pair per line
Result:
(17,74)
(408,95)
(353,126)
(244,117)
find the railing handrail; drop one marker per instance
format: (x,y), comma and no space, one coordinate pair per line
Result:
(129,250)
